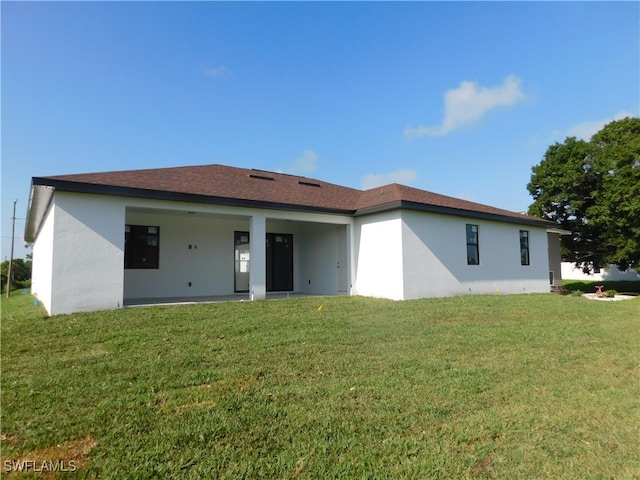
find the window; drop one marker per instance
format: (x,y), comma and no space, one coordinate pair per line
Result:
(473,253)
(524,247)
(141,247)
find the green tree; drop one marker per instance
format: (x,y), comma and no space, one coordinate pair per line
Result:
(21,270)
(592,188)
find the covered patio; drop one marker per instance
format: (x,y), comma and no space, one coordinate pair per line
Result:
(212,253)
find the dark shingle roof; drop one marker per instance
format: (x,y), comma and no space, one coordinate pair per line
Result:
(414,198)
(219,184)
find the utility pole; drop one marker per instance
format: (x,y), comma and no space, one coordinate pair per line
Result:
(13,232)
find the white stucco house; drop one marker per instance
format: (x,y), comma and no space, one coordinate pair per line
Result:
(106,240)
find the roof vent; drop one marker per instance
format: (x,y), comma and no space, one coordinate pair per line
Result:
(261,177)
(309,184)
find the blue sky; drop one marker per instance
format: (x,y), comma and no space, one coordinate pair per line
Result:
(456,98)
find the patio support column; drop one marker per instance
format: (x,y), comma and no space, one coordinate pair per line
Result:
(351,255)
(258,268)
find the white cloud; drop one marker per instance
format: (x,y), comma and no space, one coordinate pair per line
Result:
(468,103)
(305,163)
(586,130)
(373,180)
(221,71)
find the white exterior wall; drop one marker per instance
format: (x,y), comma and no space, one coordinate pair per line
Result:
(81,250)
(613,273)
(318,259)
(435,258)
(432,253)
(379,269)
(79,253)
(42,267)
(555,259)
(208,265)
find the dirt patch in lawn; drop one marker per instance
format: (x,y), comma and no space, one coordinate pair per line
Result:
(52,461)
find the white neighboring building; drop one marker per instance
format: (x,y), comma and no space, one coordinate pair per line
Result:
(105,240)
(613,273)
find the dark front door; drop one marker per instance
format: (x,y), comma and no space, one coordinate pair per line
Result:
(279,262)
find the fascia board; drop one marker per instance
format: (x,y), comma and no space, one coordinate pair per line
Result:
(97,189)
(421,207)
(40,199)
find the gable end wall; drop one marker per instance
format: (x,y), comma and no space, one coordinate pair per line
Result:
(435,263)
(87,253)
(378,240)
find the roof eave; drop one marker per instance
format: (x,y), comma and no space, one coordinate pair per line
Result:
(119,191)
(422,207)
(559,231)
(40,199)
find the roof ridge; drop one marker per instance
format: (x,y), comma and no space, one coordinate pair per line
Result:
(131,170)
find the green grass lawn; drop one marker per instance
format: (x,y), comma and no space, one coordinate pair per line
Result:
(519,386)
